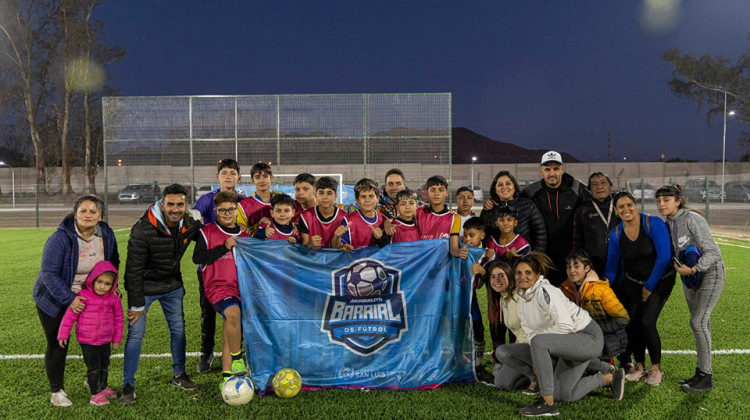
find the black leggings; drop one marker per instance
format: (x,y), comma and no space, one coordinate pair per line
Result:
(97,365)
(208,319)
(54,355)
(642,332)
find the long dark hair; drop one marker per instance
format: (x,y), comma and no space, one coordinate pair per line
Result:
(493,192)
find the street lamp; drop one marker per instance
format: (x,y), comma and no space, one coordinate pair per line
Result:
(473,159)
(13,181)
(724,146)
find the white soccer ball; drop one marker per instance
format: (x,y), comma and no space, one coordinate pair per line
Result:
(367,280)
(237,390)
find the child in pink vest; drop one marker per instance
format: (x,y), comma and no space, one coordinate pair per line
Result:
(99,326)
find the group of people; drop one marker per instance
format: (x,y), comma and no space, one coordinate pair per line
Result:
(545,249)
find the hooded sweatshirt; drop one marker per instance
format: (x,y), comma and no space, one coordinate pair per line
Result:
(596,297)
(544,309)
(101,321)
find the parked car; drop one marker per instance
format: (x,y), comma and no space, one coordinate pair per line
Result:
(139,193)
(203,191)
(737,191)
(646,190)
(694,190)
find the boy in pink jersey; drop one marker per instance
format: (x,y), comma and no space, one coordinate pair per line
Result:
(304,194)
(281,226)
(362,226)
(404,225)
(213,251)
(509,245)
(434,221)
(317,225)
(254,209)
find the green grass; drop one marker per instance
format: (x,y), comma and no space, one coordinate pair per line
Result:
(24,389)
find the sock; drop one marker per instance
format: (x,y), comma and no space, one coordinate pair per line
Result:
(236,356)
(225,375)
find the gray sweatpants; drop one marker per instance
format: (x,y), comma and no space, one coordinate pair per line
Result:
(700,303)
(560,361)
(573,353)
(515,373)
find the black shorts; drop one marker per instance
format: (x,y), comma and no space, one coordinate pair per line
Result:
(223,304)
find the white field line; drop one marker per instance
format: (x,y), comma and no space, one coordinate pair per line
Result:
(197,354)
(737,245)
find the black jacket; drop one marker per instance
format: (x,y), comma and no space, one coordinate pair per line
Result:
(530,221)
(591,234)
(154,254)
(558,207)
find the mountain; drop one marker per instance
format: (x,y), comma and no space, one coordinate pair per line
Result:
(467,143)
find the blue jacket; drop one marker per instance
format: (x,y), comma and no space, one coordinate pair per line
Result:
(52,289)
(657,231)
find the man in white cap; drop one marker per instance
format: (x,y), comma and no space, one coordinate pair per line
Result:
(557,195)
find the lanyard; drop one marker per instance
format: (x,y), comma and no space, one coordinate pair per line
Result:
(609,213)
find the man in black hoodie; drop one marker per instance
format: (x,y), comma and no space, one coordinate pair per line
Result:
(557,195)
(157,243)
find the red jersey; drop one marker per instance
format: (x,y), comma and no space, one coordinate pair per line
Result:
(283,232)
(297,212)
(219,277)
(360,234)
(433,225)
(251,209)
(406,231)
(312,223)
(519,243)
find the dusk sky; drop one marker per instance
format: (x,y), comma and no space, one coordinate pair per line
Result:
(539,74)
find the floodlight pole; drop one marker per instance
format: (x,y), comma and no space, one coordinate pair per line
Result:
(473,159)
(13,181)
(723,148)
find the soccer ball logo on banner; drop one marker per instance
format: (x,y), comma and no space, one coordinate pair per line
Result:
(367,309)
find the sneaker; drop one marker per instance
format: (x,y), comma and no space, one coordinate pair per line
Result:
(636,373)
(109,393)
(693,378)
(222,382)
(99,399)
(128,394)
(655,376)
(484,376)
(617,386)
(532,389)
(60,399)
(238,367)
(539,408)
(702,383)
(183,382)
(204,364)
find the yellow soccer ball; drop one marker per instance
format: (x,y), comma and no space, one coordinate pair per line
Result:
(287,383)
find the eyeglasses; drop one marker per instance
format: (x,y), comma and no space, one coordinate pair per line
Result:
(226,211)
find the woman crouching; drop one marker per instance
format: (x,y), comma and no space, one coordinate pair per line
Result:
(563,340)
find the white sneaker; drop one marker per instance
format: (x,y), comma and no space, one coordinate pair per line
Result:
(60,399)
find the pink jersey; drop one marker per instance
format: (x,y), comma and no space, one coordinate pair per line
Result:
(433,225)
(297,212)
(405,232)
(219,277)
(519,243)
(251,209)
(312,223)
(360,234)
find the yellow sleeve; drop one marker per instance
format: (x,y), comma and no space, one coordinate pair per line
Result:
(456,227)
(241,217)
(612,305)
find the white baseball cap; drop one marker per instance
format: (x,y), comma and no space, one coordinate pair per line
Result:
(552,156)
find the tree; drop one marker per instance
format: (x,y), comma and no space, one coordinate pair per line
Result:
(709,80)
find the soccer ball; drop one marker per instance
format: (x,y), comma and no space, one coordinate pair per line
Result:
(286,383)
(237,390)
(366,280)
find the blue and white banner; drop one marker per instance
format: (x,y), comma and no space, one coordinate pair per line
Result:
(391,318)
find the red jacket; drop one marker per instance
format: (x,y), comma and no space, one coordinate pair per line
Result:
(101,322)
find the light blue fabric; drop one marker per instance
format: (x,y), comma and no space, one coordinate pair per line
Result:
(302,309)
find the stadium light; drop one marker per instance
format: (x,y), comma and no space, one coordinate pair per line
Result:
(13,181)
(724,145)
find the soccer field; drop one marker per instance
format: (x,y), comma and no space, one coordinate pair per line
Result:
(24,389)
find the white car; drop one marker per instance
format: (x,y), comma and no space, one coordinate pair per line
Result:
(203,191)
(646,191)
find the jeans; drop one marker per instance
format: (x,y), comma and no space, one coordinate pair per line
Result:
(171,305)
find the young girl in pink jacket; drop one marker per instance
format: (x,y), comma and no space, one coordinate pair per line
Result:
(99,324)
